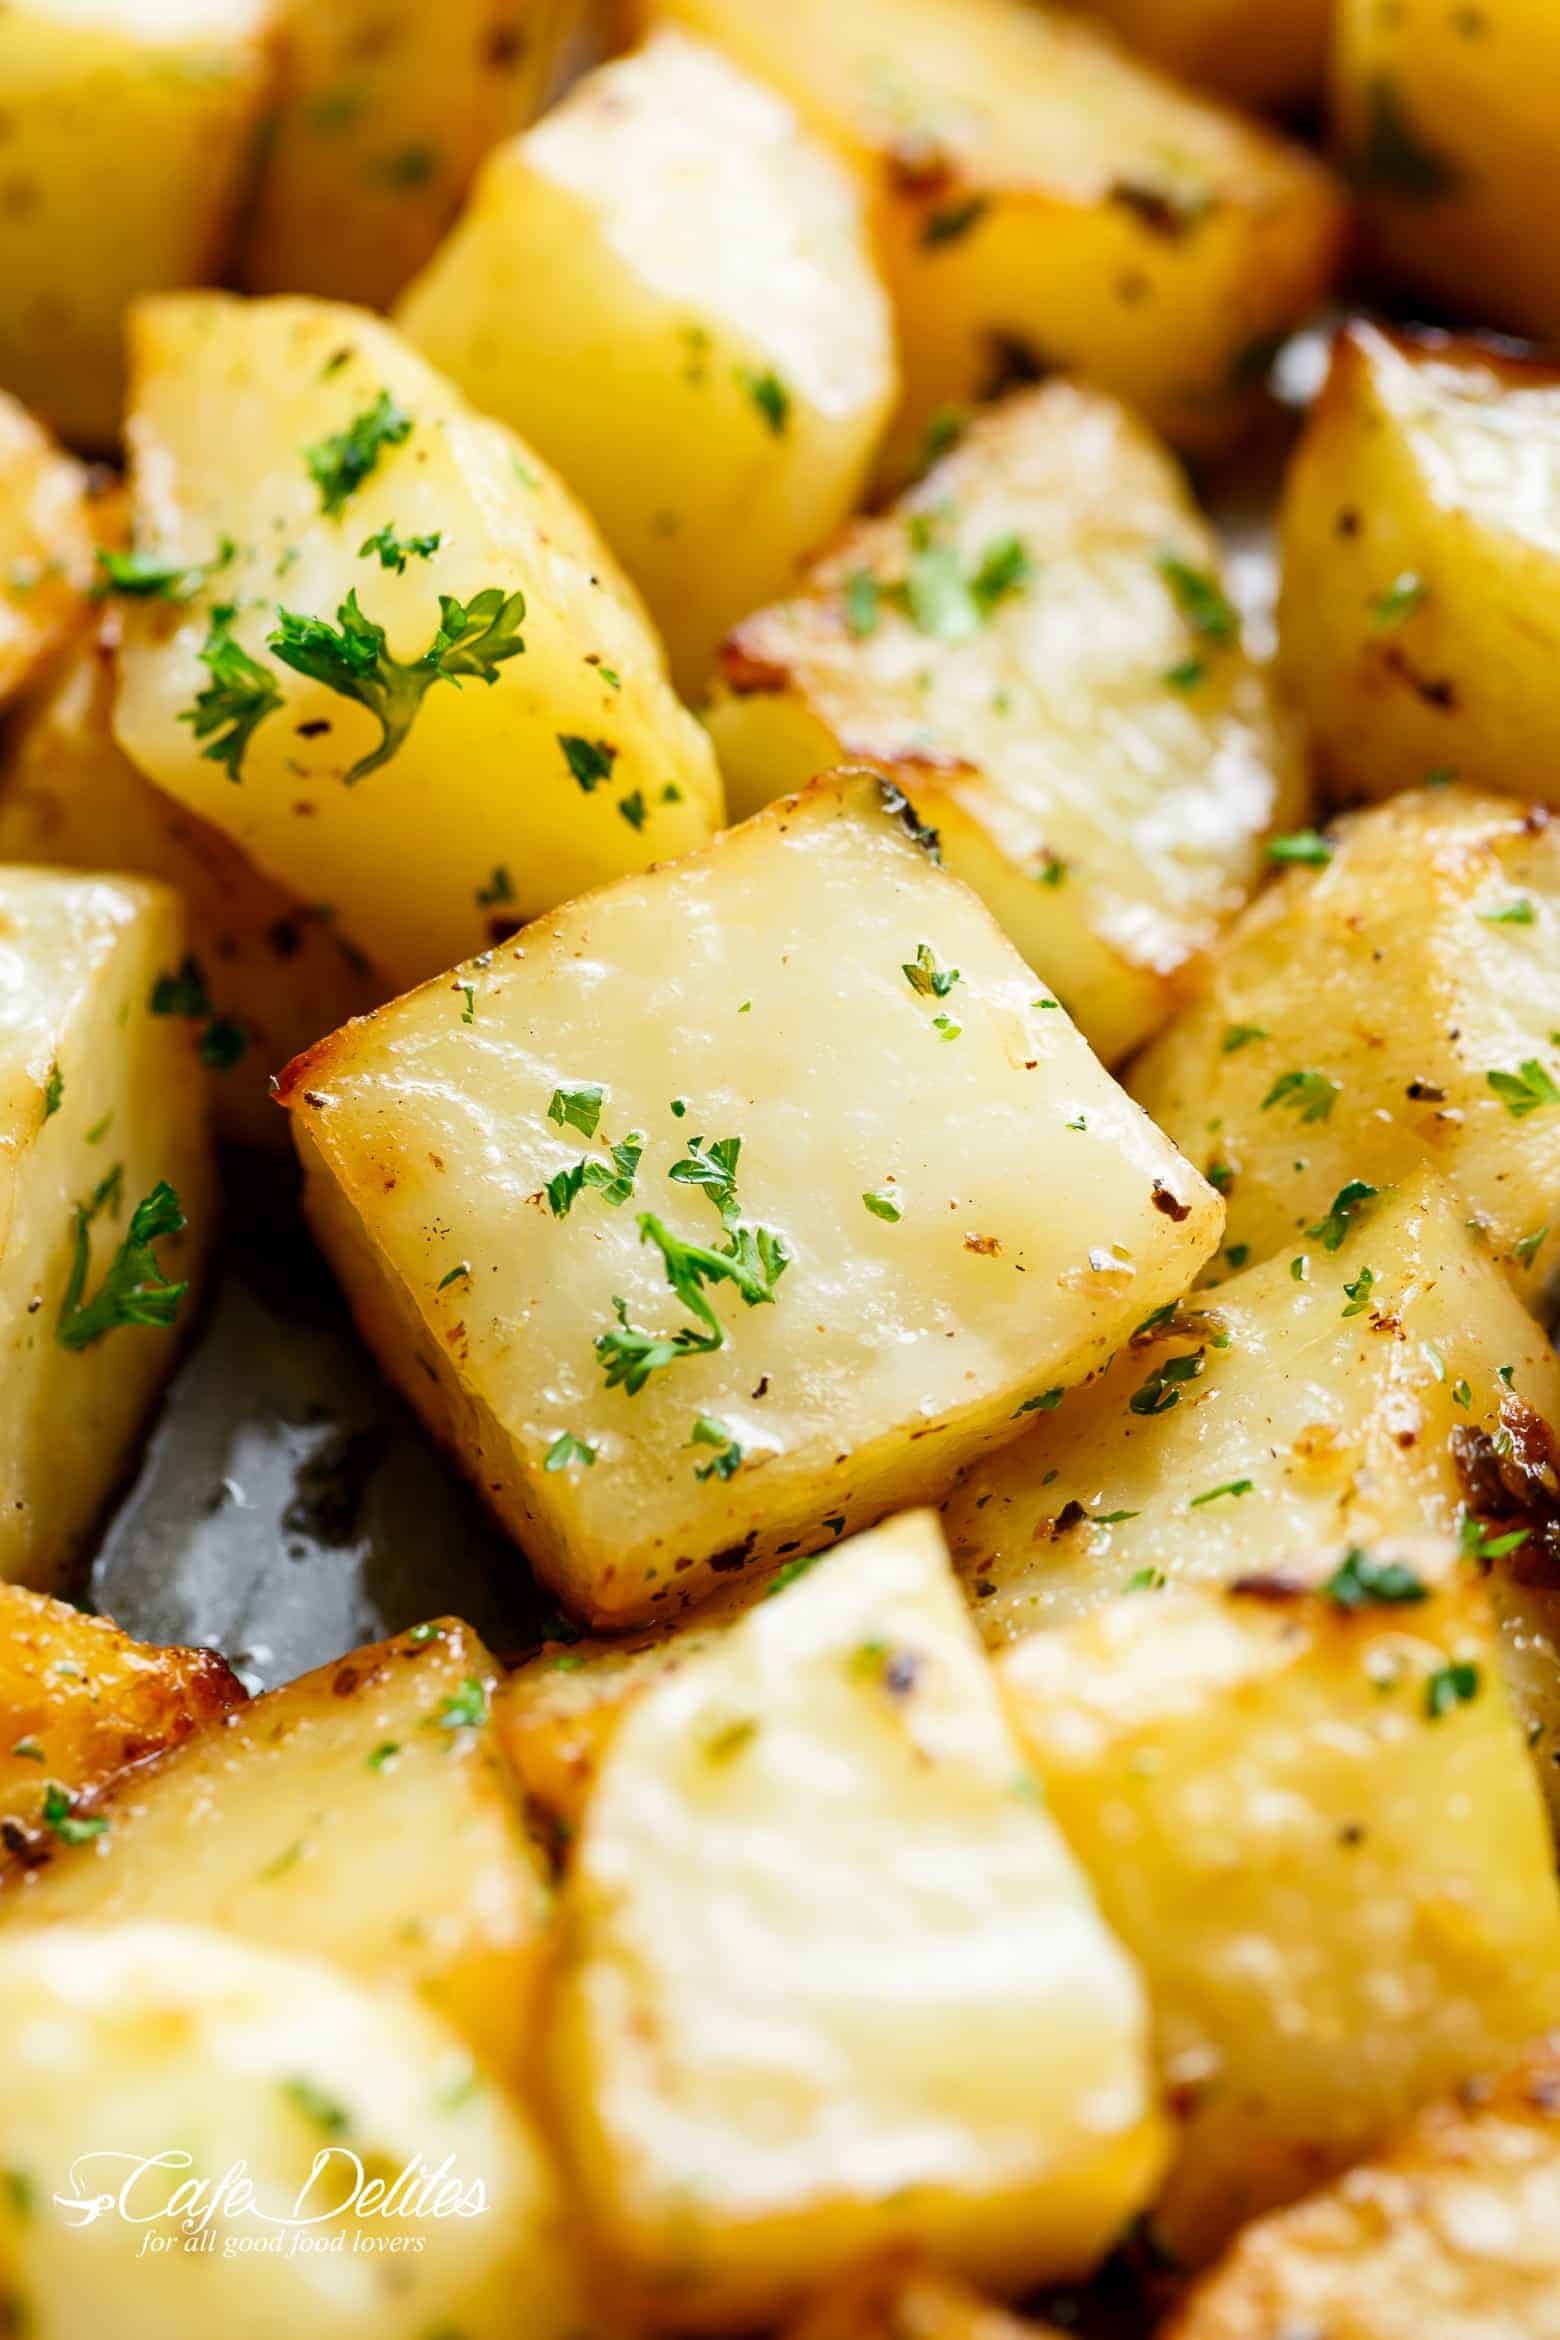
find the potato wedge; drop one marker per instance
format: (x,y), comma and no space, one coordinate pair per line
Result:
(515,742)
(1421,555)
(1392,1004)
(128,135)
(895,2298)
(1272,54)
(46,543)
(388,108)
(828,1979)
(941,1202)
(1444,118)
(1044,201)
(1035,641)
(1454,2230)
(363,1814)
(81,1704)
(146,2058)
(714,364)
(269,975)
(1310,1818)
(105,1199)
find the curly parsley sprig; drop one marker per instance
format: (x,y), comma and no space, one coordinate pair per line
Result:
(134,1289)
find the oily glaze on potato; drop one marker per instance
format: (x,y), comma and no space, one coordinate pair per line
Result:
(1392,1001)
(387,108)
(1421,561)
(913,1194)
(128,131)
(353,2116)
(513,742)
(1271,54)
(1036,642)
(1310,1818)
(46,545)
(1454,2230)
(270,974)
(364,1814)
(828,1979)
(1044,201)
(714,363)
(104,1198)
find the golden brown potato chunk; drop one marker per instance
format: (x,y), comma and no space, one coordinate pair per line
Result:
(1453,2233)
(46,547)
(1254,52)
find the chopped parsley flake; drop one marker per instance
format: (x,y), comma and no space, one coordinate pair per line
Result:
(883,1206)
(1241,1036)
(395,551)
(1330,1232)
(1402,597)
(753,1259)
(1528,1247)
(1525,1090)
(727,1460)
(590,760)
(1477,1543)
(1162,1389)
(499,888)
(1359,1292)
(1518,913)
(614,1183)
(339,465)
(1306,847)
(68,1825)
(948,223)
(134,1289)
(238,698)
(1361,1581)
(1145,1580)
(633,809)
(769,394)
(577,1105)
(461,1268)
(1450,1686)
(926,976)
(863,603)
(465,1709)
(322,2111)
(1311,1094)
(53,1092)
(566,1449)
(1217,1494)
(1200,599)
(147,576)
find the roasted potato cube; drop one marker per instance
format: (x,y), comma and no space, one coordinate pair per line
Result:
(828,1978)
(1044,201)
(363,1814)
(890,1189)
(714,364)
(128,134)
(1454,2231)
(895,2298)
(388,107)
(1037,643)
(1273,53)
(1309,1816)
(81,1704)
(1395,1388)
(1445,118)
(512,743)
(264,974)
(235,2062)
(1392,1002)
(46,540)
(104,1198)
(1419,560)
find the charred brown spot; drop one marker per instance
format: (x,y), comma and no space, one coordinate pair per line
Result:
(1425,1093)
(917,164)
(1070,1516)
(986,1245)
(1438,691)
(735,1557)
(1273,1587)
(1162,212)
(1170,1204)
(747,671)
(1012,362)
(506,45)
(1515,1483)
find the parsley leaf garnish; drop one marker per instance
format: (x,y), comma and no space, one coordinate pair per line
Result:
(1311,1094)
(146,576)
(351,658)
(339,465)
(1241,1035)
(1361,1580)
(590,760)
(395,551)
(727,1461)
(1305,846)
(614,1184)
(1200,599)
(769,394)
(566,1449)
(1525,1090)
(134,1289)
(239,696)
(224,1042)
(753,1259)
(1449,1686)
(925,976)
(68,1825)
(1330,1232)
(1162,1389)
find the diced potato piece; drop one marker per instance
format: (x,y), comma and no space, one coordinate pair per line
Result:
(270,973)
(98,1117)
(894,2298)
(1394,1006)
(363,1813)
(80,1704)
(1446,121)
(46,539)
(1045,201)
(942,1202)
(128,132)
(417,787)
(714,363)
(1421,554)
(1397,1389)
(125,2043)
(1455,2231)
(1271,53)
(1036,644)
(389,106)
(1309,1817)
(828,1978)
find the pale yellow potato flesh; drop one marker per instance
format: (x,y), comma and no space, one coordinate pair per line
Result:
(1454,2230)
(829,1979)
(388,107)
(364,1814)
(1270,53)
(1421,559)
(70,797)
(130,2042)
(895,2298)
(128,134)
(93,1089)
(1315,1828)
(1445,122)
(1397,1389)
(572,764)
(713,364)
(81,1704)
(1098,769)
(1407,996)
(1044,200)
(46,543)
(972,1208)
